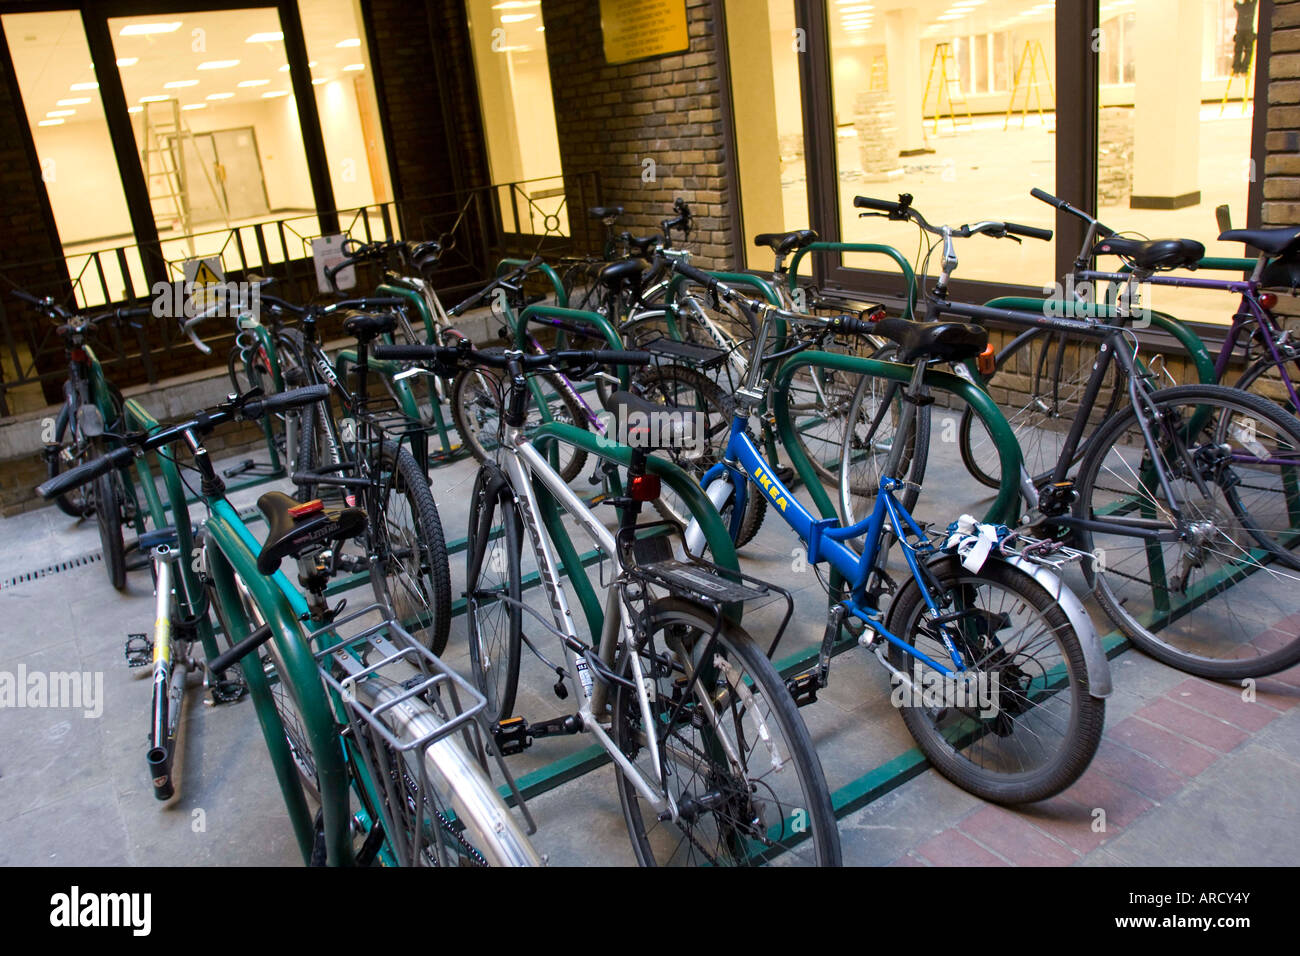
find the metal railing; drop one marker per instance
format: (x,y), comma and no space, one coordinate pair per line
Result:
(478,227)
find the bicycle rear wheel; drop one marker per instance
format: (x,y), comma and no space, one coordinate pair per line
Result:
(437,805)
(1222,601)
(736,756)
(1033,726)
(1041,377)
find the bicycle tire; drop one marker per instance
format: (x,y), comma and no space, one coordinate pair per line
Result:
(1242,581)
(861,479)
(314,442)
(1255,380)
(495,664)
(723,818)
(957,743)
(108,516)
(1051,369)
(420,590)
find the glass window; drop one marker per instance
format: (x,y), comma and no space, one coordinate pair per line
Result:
(763,48)
(1175,133)
(345,101)
(57,80)
(514,84)
(215,123)
(964,121)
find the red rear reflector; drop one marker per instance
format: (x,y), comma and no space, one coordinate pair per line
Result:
(986,361)
(644,487)
(1268,300)
(876,316)
(307,508)
(79,355)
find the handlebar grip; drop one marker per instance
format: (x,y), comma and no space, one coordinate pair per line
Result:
(694,274)
(138,312)
(293,398)
(1030,232)
(851,325)
(411,353)
(879,205)
(232,655)
(85,473)
(1045,196)
(27,297)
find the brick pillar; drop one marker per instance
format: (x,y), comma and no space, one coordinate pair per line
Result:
(666,111)
(1282,160)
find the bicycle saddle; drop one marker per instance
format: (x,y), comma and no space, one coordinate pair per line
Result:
(649,425)
(368,325)
(605,212)
(947,341)
(614,274)
(1154,254)
(643,246)
(783,242)
(296,527)
(1276,241)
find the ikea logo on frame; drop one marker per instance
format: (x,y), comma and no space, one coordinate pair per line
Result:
(773,492)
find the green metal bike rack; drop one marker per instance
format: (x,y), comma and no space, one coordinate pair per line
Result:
(890,252)
(561,296)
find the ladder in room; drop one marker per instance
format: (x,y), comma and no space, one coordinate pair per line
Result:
(944,65)
(1027,79)
(170,181)
(1249,77)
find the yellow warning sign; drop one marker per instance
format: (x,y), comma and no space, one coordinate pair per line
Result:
(641,29)
(205,275)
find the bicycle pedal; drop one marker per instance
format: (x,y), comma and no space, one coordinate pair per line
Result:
(511,736)
(784,473)
(804,687)
(138,650)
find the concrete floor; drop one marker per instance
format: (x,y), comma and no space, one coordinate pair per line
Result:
(1188,774)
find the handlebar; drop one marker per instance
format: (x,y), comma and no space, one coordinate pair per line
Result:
(240,408)
(1044,196)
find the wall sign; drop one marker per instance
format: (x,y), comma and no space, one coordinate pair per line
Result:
(642,29)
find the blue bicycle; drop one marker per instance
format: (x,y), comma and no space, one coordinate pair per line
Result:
(996,668)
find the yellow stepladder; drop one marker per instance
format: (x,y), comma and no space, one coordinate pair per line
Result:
(945,64)
(1027,78)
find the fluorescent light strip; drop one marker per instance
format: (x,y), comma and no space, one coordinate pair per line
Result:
(344,44)
(265,38)
(217,65)
(148,29)
(353,67)
(53,122)
(74,101)
(84,86)
(248,83)
(219,96)
(274,93)
(179,84)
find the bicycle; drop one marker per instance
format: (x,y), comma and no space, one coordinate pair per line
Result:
(367,463)
(84,428)
(1181,494)
(713,763)
(394,740)
(1005,622)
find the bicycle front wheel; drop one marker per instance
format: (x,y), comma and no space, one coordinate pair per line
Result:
(493,591)
(1220,600)
(737,759)
(1040,380)
(1018,724)
(870,433)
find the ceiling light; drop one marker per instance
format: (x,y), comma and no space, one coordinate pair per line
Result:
(274,93)
(516,17)
(344,44)
(319,81)
(74,101)
(219,96)
(148,29)
(195,106)
(154,99)
(285,68)
(860,9)
(247,83)
(179,84)
(217,65)
(353,67)
(84,86)
(135,109)
(61,113)
(127,60)
(53,122)
(515,4)
(265,38)
(951,16)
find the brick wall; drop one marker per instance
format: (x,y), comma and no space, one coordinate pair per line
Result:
(614,118)
(1282,142)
